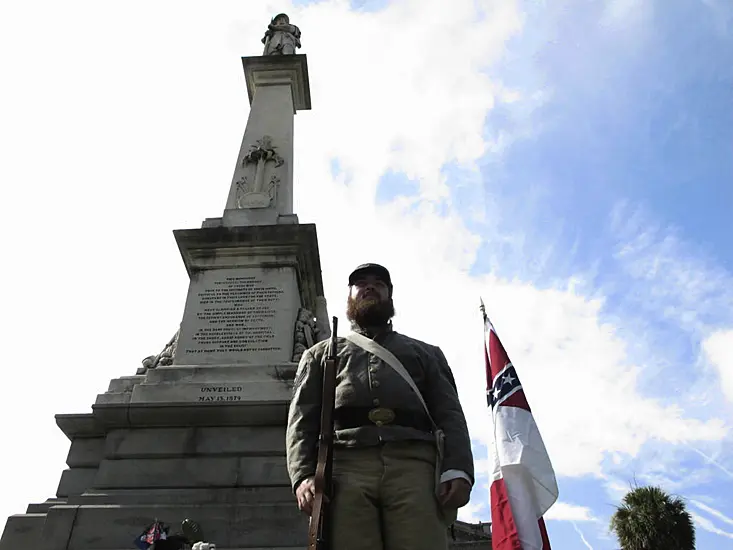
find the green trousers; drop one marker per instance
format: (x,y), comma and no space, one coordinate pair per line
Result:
(384,499)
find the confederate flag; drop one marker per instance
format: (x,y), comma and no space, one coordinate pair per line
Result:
(523,484)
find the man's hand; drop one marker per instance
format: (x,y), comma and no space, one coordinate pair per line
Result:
(455,493)
(306,495)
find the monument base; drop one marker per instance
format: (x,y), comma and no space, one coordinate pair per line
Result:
(201,438)
(221,465)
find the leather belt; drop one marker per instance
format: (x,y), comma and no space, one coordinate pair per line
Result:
(356,417)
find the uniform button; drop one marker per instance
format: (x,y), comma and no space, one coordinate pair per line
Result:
(375,402)
(373,369)
(375,383)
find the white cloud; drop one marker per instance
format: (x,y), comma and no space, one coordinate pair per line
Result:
(719,350)
(564,511)
(474,512)
(413,99)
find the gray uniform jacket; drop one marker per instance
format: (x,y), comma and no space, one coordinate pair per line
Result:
(364,382)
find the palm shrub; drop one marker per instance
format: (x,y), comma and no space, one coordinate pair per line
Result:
(650,519)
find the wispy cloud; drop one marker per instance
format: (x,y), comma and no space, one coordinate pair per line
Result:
(708,525)
(670,277)
(712,511)
(711,460)
(564,511)
(582,536)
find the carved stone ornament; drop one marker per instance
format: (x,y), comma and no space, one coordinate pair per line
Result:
(309,330)
(305,326)
(252,192)
(248,197)
(262,150)
(164,358)
(281,38)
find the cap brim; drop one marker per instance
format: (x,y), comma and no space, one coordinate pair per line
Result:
(377,271)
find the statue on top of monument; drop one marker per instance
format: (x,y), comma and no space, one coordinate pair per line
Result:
(281,38)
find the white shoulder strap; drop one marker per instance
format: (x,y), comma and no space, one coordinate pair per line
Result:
(385,355)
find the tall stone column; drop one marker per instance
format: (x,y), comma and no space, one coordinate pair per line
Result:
(261,191)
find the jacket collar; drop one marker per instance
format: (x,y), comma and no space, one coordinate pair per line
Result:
(373,332)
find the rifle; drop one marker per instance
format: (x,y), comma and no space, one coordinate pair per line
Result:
(318,527)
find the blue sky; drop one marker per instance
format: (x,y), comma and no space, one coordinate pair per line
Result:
(571,162)
(638,112)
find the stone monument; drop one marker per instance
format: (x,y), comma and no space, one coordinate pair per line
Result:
(198,432)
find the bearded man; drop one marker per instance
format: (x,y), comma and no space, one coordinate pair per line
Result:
(392,489)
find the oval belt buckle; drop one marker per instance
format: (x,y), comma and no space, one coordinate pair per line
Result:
(380,416)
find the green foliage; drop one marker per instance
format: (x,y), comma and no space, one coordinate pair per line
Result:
(650,519)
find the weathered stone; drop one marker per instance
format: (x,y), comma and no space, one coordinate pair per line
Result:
(214,374)
(59,526)
(23,531)
(167,442)
(75,481)
(42,507)
(200,496)
(85,452)
(270,245)
(79,425)
(110,398)
(236,392)
(124,383)
(229,471)
(263,413)
(239,315)
(242,526)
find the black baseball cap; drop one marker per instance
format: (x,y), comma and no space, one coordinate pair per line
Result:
(373,269)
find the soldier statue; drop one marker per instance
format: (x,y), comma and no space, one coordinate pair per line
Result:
(392,490)
(281,38)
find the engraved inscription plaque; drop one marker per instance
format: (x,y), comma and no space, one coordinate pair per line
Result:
(220,393)
(236,316)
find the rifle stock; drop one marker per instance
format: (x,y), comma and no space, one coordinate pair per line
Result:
(318,527)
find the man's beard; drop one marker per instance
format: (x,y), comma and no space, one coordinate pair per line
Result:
(369,312)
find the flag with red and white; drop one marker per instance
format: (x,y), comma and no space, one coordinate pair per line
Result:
(523,483)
